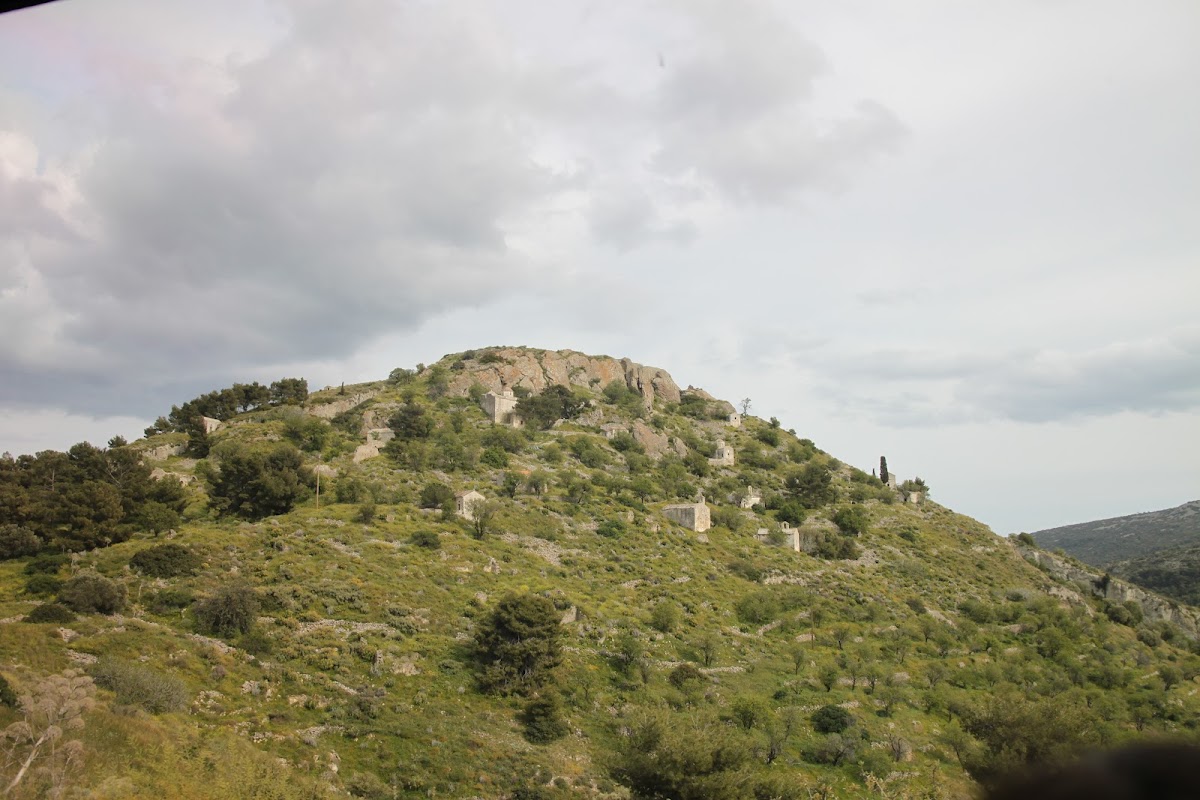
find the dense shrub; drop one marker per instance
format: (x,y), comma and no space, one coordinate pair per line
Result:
(7,696)
(542,718)
(496,457)
(165,561)
(92,593)
(167,600)
(17,541)
(747,570)
(50,612)
(831,719)
(665,615)
(138,685)
(230,611)
(851,520)
(757,607)
(612,528)
(45,563)
(427,539)
(685,675)
(436,495)
(42,584)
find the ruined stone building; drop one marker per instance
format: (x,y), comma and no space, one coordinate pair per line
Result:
(502,408)
(465,502)
(724,455)
(695,516)
(734,420)
(748,497)
(791,536)
(210,424)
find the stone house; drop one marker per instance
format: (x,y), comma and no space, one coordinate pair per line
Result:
(502,408)
(465,502)
(724,455)
(695,516)
(734,420)
(210,424)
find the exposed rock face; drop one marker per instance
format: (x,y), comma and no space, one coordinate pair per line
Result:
(342,404)
(537,370)
(655,444)
(1154,606)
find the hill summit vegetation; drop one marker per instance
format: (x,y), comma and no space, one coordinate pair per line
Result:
(377,591)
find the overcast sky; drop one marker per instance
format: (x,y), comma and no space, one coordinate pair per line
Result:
(964,235)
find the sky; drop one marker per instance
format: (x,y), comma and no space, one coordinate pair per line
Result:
(963,235)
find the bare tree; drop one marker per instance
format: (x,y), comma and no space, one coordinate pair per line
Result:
(745,404)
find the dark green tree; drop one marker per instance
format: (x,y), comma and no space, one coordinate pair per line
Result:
(253,485)
(557,402)
(411,422)
(812,485)
(518,646)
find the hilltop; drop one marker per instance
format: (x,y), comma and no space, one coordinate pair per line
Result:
(527,573)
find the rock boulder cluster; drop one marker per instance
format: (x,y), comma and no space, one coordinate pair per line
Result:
(537,370)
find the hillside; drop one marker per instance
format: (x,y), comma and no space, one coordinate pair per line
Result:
(1173,572)
(1105,541)
(826,636)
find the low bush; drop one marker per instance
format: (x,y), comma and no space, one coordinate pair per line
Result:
(228,612)
(165,561)
(138,685)
(91,593)
(42,584)
(50,612)
(427,539)
(831,719)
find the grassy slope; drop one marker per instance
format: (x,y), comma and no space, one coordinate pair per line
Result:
(352,610)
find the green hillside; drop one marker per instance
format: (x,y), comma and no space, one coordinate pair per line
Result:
(570,640)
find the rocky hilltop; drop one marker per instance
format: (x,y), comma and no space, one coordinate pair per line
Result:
(512,367)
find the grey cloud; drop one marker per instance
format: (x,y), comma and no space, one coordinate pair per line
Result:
(359,178)
(912,387)
(737,112)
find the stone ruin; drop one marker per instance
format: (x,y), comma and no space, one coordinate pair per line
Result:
(694,516)
(747,498)
(791,536)
(724,455)
(501,408)
(465,502)
(210,424)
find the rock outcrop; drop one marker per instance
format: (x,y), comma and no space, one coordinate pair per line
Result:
(1155,607)
(537,370)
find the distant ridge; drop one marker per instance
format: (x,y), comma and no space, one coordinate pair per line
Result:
(1104,541)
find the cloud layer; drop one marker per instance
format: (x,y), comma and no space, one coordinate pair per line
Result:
(376,166)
